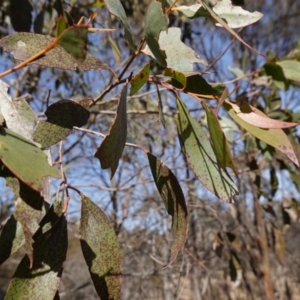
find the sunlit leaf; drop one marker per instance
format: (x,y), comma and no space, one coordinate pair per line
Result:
(172,195)
(111,148)
(101,250)
(11,238)
(61,117)
(18,115)
(115,7)
(219,142)
(156,21)
(192,11)
(61,26)
(42,280)
(23,45)
(74,41)
(274,137)
(291,69)
(139,79)
(201,157)
(235,16)
(177,78)
(257,118)
(26,161)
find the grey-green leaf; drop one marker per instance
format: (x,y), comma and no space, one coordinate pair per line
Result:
(201,157)
(101,250)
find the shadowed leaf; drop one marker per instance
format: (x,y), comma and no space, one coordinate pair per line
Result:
(61,26)
(115,7)
(20,15)
(11,238)
(274,137)
(74,41)
(61,117)
(42,280)
(291,69)
(39,22)
(23,45)
(172,195)
(101,251)
(156,21)
(18,115)
(201,157)
(178,79)
(112,146)
(139,79)
(26,161)
(192,11)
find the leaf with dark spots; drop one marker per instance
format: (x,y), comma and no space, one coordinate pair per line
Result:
(62,116)
(139,79)
(23,45)
(25,160)
(172,195)
(74,41)
(101,250)
(42,280)
(201,157)
(111,148)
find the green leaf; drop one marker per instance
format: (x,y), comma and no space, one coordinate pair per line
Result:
(274,137)
(61,26)
(177,78)
(179,56)
(61,117)
(18,115)
(156,21)
(115,7)
(42,280)
(219,142)
(74,41)
(11,238)
(26,161)
(139,79)
(111,148)
(24,45)
(196,84)
(193,11)
(100,249)
(291,69)
(235,16)
(172,195)
(201,157)
(276,72)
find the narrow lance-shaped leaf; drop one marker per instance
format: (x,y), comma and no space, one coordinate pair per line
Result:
(23,45)
(101,250)
(274,137)
(139,79)
(26,161)
(156,21)
(111,148)
(18,115)
(219,142)
(42,280)
(172,195)
(257,118)
(62,116)
(115,7)
(201,157)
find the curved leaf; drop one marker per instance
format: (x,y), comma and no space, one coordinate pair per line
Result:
(23,45)
(156,21)
(201,157)
(112,146)
(192,11)
(274,137)
(26,161)
(62,116)
(42,280)
(18,115)
(101,251)
(172,195)
(139,79)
